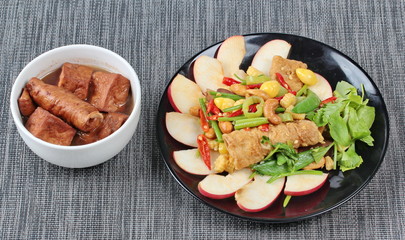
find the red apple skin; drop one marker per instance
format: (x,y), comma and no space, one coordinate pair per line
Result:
(214,196)
(309,191)
(169,95)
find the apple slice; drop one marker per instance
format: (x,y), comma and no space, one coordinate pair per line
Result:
(258,194)
(322,88)
(231,53)
(219,187)
(299,185)
(264,56)
(208,73)
(183,127)
(183,94)
(191,162)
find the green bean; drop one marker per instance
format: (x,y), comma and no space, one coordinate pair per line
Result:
(230,119)
(230,109)
(225,95)
(217,131)
(252,122)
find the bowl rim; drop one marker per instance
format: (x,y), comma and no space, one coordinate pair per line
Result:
(15,93)
(277,220)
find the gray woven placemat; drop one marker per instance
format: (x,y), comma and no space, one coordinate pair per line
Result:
(133,196)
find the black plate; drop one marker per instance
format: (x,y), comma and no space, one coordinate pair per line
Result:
(334,66)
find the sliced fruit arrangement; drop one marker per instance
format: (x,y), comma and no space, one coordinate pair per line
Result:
(216,186)
(190,161)
(299,185)
(258,194)
(230,54)
(183,94)
(258,133)
(208,73)
(263,58)
(183,127)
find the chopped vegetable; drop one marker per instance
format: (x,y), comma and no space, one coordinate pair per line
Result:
(286,117)
(233,108)
(212,108)
(310,103)
(256,79)
(230,119)
(203,121)
(252,100)
(283,83)
(250,122)
(204,150)
(217,131)
(229,81)
(225,95)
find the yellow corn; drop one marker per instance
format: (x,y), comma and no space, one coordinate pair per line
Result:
(289,99)
(306,76)
(213,144)
(222,148)
(252,71)
(271,88)
(223,103)
(296,116)
(239,102)
(220,163)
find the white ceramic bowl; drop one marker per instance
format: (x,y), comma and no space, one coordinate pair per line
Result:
(89,154)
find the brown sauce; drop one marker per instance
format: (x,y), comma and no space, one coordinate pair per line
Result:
(53,78)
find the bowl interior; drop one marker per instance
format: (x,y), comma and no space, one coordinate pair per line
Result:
(334,66)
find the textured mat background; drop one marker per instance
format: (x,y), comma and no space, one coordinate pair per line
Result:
(133,196)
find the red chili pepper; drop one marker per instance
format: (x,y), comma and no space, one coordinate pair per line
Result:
(283,83)
(213,117)
(252,108)
(212,108)
(247,129)
(279,98)
(328,100)
(251,86)
(204,149)
(203,121)
(236,113)
(229,81)
(264,127)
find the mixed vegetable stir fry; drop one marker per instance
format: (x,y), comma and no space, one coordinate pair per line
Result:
(272,125)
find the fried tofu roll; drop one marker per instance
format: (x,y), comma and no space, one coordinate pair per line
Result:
(65,105)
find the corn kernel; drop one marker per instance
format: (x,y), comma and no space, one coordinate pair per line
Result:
(306,76)
(296,116)
(239,102)
(213,144)
(289,99)
(222,148)
(252,71)
(223,103)
(271,88)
